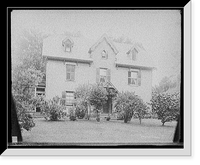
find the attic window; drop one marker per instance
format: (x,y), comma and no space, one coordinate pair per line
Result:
(104,54)
(133,54)
(67,45)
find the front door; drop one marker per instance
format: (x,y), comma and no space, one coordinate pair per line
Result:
(107,107)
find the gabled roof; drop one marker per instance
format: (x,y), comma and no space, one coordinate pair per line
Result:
(110,43)
(53,48)
(82,47)
(143,59)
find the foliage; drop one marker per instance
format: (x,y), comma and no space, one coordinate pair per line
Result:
(128,104)
(23,86)
(98,96)
(166,84)
(166,106)
(81,109)
(27,72)
(123,105)
(72,113)
(82,95)
(24,117)
(52,109)
(141,109)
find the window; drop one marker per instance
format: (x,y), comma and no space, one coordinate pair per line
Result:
(70,72)
(103,75)
(133,54)
(67,45)
(67,98)
(104,54)
(134,77)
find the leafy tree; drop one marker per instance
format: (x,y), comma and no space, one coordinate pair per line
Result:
(26,74)
(129,104)
(141,109)
(23,87)
(97,97)
(82,95)
(123,105)
(166,106)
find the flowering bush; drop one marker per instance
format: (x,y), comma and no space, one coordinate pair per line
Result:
(166,106)
(52,109)
(128,104)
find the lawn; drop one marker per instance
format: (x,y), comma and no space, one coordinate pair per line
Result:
(114,131)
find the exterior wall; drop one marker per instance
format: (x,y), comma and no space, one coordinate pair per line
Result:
(121,83)
(56,81)
(56,75)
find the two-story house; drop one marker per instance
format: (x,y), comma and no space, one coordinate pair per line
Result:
(72,61)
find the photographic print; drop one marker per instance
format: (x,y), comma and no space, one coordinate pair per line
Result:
(96,78)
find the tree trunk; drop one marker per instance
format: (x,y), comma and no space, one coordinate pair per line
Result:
(140,120)
(163,123)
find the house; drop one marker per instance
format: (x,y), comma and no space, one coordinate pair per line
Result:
(72,61)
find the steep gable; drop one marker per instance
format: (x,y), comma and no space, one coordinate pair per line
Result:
(109,42)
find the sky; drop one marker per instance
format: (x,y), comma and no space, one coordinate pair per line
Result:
(159,31)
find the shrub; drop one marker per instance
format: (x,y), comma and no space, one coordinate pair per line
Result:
(97,98)
(72,113)
(166,106)
(24,117)
(52,109)
(128,104)
(80,110)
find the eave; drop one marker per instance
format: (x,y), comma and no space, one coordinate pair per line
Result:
(124,65)
(77,60)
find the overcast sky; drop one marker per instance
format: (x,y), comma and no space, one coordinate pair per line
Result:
(158,30)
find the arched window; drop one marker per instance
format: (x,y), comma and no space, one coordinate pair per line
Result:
(104,54)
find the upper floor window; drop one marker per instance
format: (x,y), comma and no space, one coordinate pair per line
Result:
(70,72)
(67,45)
(134,77)
(103,75)
(104,54)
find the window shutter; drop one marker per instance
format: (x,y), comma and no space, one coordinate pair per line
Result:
(139,78)
(108,75)
(63,97)
(97,75)
(73,73)
(129,77)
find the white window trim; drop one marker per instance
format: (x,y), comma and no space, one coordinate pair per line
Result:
(134,70)
(70,63)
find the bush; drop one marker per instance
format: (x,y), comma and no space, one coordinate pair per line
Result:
(124,105)
(72,113)
(166,106)
(128,104)
(98,96)
(52,109)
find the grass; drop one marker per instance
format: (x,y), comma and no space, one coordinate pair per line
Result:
(114,131)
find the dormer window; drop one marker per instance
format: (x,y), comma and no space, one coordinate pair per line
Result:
(104,54)
(134,54)
(67,44)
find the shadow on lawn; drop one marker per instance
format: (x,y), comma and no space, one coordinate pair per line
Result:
(133,122)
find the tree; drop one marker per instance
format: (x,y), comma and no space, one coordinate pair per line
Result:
(26,74)
(23,86)
(141,109)
(82,95)
(124,105)
(97,97)
(129,104)
(166,106)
